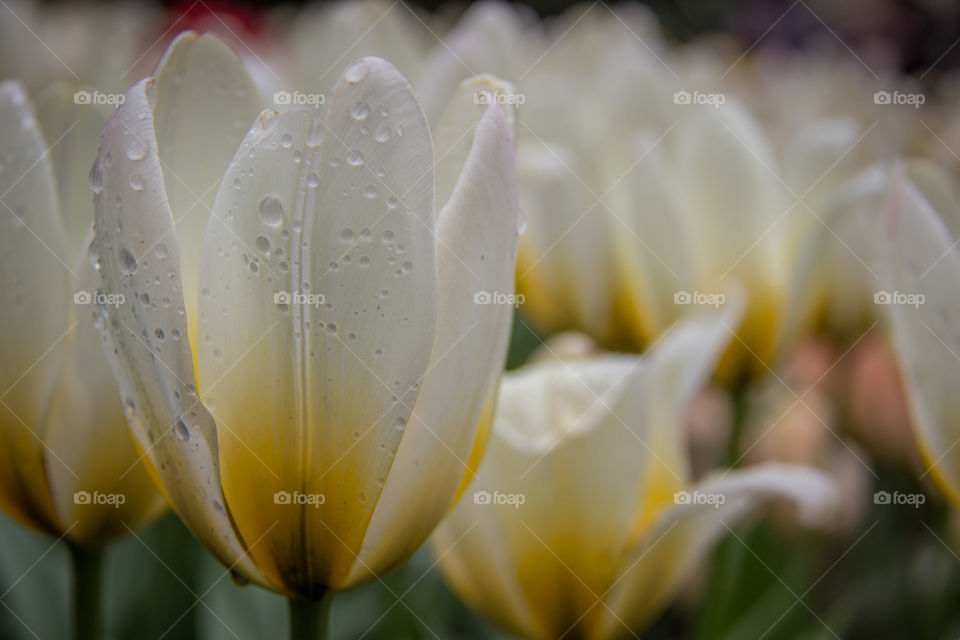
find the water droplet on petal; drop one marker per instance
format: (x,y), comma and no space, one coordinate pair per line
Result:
(286,141)
(181,431)
(360,111)
(128,264)
(355,158)
(136,150)
(382,133)
(357,72)
(271,211)
(136,182)
(313,180)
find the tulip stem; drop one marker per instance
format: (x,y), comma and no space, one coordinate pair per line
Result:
(87,566)
(309,618)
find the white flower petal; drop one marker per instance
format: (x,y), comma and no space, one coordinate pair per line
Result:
(923,261)
(657,566)
(34,284)
(72,132)
(312,395)
(146,329)
(203,102)
(477,240)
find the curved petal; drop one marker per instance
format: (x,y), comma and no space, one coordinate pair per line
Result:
(88,444)
(144,326)
(654,570)
(34,285)
(564,269)
(203,102)
(924,263)
(590,447)
(72,132)
(477,240)
(652,237)
(312,395)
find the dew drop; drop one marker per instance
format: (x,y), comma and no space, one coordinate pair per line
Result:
(127,262)
(159,334)
(392,202)
(370,191)
(313,180)
(181,431)
(346,235)
(407,266)
(286,141)
(357,72)
(263,244)
(354,158)
(136,182)
(382,133)
(136,150)
(360,111)
(271,211)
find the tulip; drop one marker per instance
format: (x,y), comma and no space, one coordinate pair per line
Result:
(918,269)
(68,467)
(582,520)
(309,350)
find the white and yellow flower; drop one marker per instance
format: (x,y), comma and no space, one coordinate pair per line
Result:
(67,464)
(583,519)
(313,376)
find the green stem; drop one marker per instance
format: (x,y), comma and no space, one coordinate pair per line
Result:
(309,618)
(87,566)
(740,407)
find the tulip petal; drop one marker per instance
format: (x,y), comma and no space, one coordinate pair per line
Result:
(72,132)
(203,102)
(923,261)
(477,240)
(146,329)
(88,444)
(655,569)
(313,396)
(593,448)
(652,251)
(564,268)
(452,136)
(33,312)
